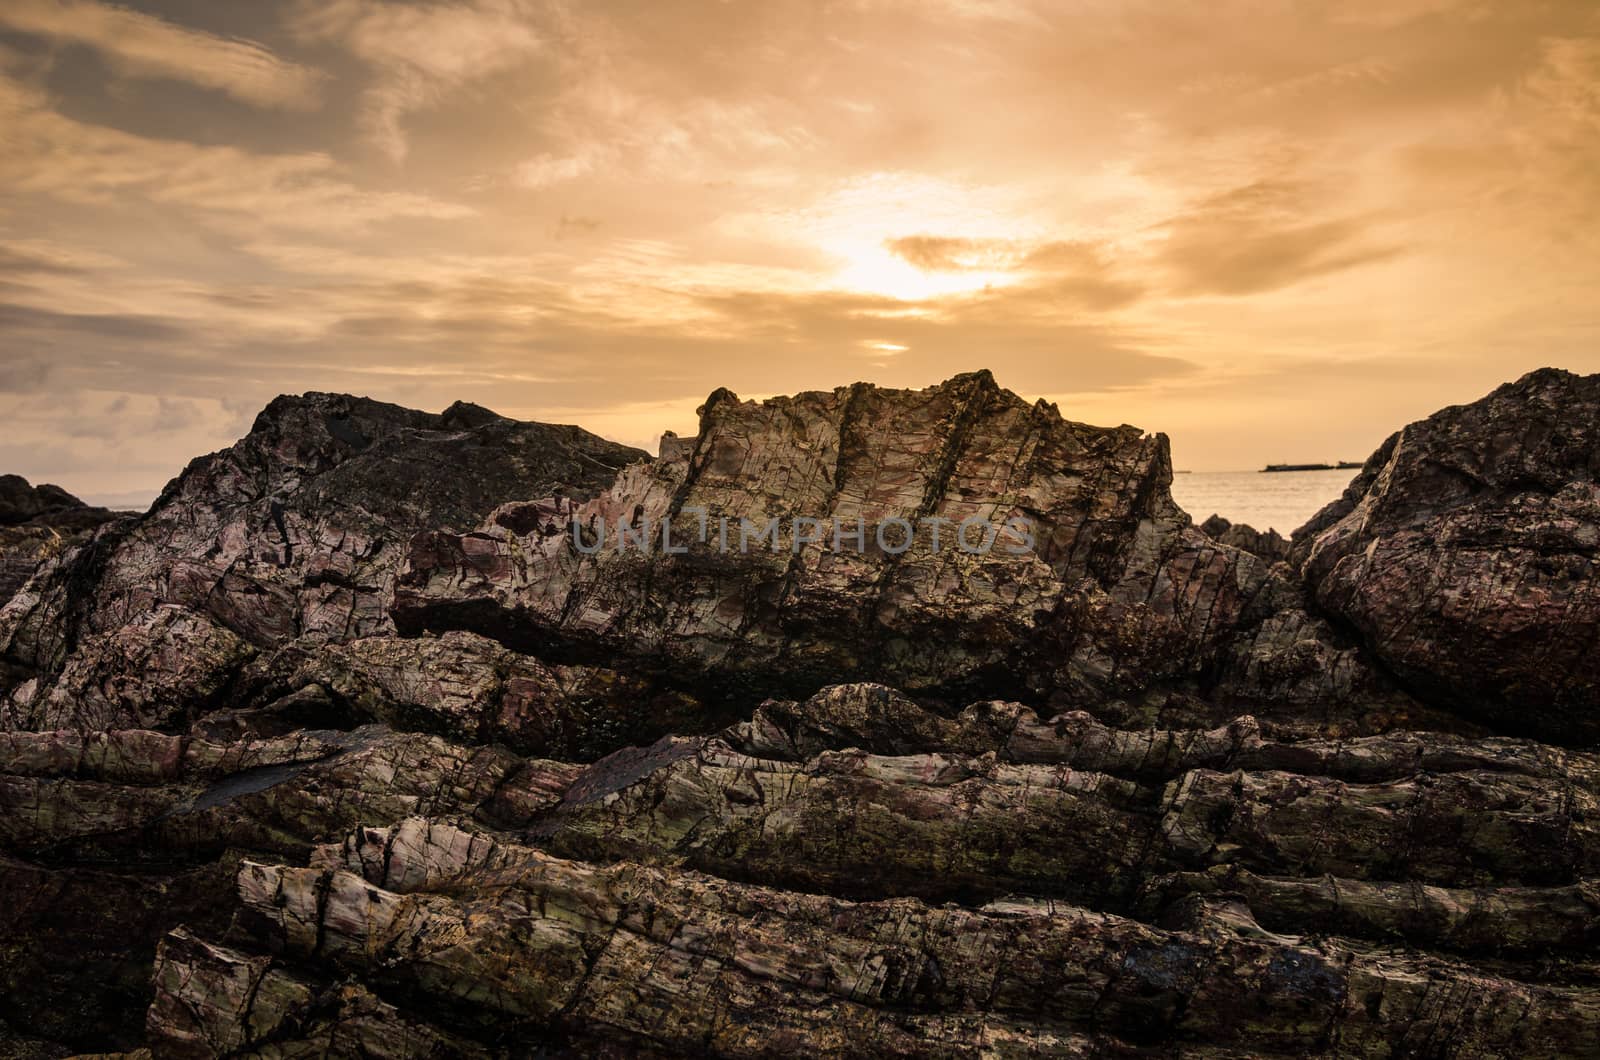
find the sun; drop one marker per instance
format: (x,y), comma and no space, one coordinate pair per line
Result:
(871,268)
(857,224)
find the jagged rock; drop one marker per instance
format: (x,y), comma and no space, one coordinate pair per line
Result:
(1299,673)
(498,934)
(21,502)
(1269,545)
(37,524)
(942,825)
(213,1001)
(294,532)
(118,837)
(881,721)
(1464,554)
(470,688)
(1135,793)
(1510,921)
(1115,592)
(149,673)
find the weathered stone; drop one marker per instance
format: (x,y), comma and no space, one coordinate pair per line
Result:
(1502,921)
(1167,795)
(1464,554)
(1113,593)
(295,531)
(1269,545)
(38,523)
(494,931)
(472,689)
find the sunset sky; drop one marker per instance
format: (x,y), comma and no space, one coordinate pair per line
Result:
(1275,229)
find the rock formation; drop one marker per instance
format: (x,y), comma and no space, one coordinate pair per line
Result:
(1465,555)
(1269,545)
(350,747)
(1114,594)
(293,533)
(36,523)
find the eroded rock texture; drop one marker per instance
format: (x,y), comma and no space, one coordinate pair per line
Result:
(1465,555)
(1269,545)
(37,523)
(1117,592)
(293,533)
(435,782)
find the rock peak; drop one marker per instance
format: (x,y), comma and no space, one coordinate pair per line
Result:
(20,501)
(466,415)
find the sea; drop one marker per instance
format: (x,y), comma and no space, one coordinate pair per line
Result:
(1267,500)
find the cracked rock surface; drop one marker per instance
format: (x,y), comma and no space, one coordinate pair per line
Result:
(36,524)
(348,749)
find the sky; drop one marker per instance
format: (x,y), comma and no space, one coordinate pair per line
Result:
(1276,230)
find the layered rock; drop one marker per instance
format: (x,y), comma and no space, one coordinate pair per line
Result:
(1269,545)
(294,532)
(1091,583)
(1131,791)
(469,688)
(1252,883)
(1464,554)
(38,523)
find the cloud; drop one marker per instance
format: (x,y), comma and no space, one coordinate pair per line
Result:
(551,169)
(141,45)
(1254,239)
(1053,275)
(21,261)
(1171,212)
(954,253)
(50,154)
(133,327)
(420,52)
(20,375)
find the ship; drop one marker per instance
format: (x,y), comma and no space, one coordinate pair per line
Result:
(1343,465)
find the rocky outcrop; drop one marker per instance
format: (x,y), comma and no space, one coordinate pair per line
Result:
(436,779)
(469,688)
(38,523)
(1464,556)
(600,935)
(1081,579)
(22,503)
(495,933)
(1269,545)
(293,533)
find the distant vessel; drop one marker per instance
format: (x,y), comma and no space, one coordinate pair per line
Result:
(1343,465)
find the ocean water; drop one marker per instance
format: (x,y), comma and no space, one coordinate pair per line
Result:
(1279,500)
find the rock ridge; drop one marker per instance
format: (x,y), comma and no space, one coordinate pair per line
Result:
(345,748)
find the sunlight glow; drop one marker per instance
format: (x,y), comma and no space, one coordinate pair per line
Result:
(873,269)
(856,222)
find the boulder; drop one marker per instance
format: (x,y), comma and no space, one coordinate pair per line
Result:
(1464,555)
(1269,545)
